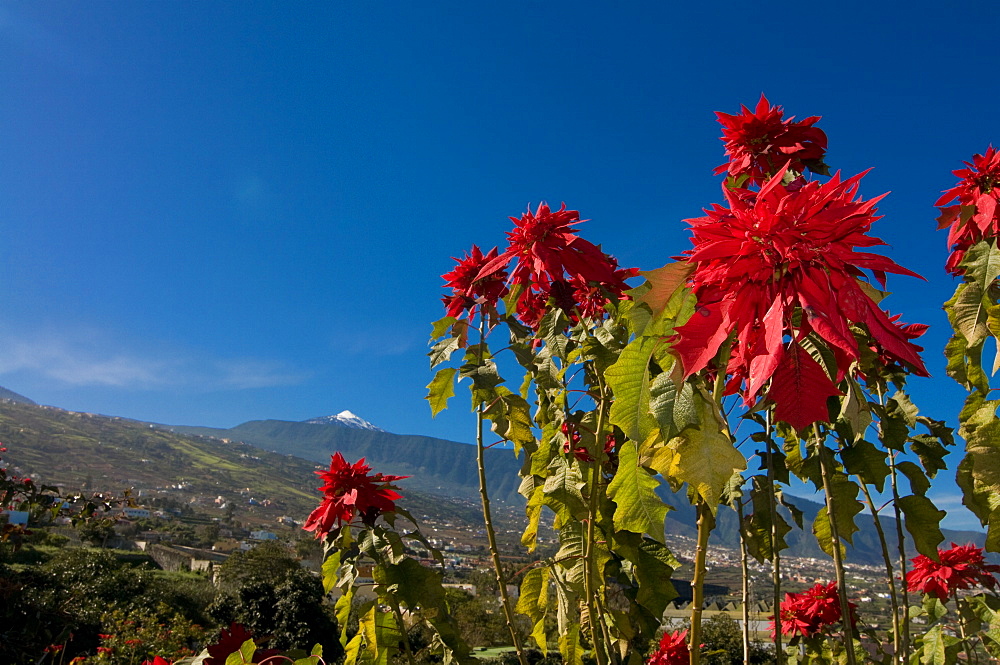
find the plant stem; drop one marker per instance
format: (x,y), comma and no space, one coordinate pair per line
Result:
(838,562)
(706,521)
(398,614)
(591,582)
(779,653)
(491,536)
(889,576)
(901,547)
(745,570)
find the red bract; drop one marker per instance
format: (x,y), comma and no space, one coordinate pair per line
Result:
(811,611)
(350,491)
(787,254)
(759,143)
(977,193)
(673,650)
(552,262)
(158,660)
(468,289)
(961,567)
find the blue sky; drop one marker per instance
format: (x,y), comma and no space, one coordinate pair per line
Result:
(216,212)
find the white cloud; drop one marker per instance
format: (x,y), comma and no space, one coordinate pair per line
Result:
(87,359)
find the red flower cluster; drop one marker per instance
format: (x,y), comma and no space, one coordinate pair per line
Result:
(978,193)
(158,660)
(760,142)
(811,611)
(673,650)
(961,567)
(781,255)
(350,491)
(469,289)
(553,263)
(573,443)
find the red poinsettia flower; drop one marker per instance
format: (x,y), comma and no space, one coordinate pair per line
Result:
(552,262)
(975,214)
(468,289)
(961,567)
(230,641)
(350,491)
(811,611)
(673,650)
(760,142)
(773,268)
(572,443)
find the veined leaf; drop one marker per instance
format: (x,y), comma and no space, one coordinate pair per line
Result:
(866,461)
(569,645)
(968,314)
(511,418)
(440,389)
(663,283)
(562,489)
(705,457)
(633,489)
(846,504)
(534,601)
(982,263)
(441,352)
(244,655)
(923,520)
(629,378)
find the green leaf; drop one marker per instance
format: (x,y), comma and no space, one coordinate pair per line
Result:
(759,522)
(440,389)
(939,648)
(954,351)
(629,379)
(863,459)
(705,457)
(968,314)
(562,489)
(441,326)
(441,352)
(982,263)
(919,484)
(329,571)
(569,645)
(652,566)
(633,489)
(510,416)
(923,520)
(979,478)
(847,506)
(244,655)
(664,282)
(534,602)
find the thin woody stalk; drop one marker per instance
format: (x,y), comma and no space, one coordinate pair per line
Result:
(590,568)
(405,638)
(706,522)
(745,571)
(508,611)
(838,562)
(779,654)
(889,576)
(901,547)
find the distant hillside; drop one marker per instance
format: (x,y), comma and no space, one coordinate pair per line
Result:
(867,549)
(77,450)
(434,465)
(446,467)
(13,396)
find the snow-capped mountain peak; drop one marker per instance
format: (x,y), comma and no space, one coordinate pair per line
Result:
(345,419)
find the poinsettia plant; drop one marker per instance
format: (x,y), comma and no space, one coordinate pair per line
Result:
(778,302)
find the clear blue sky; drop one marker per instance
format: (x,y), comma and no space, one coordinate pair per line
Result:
(215,212)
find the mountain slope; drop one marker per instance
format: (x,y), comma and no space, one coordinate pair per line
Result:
(434,465)
(111,454)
